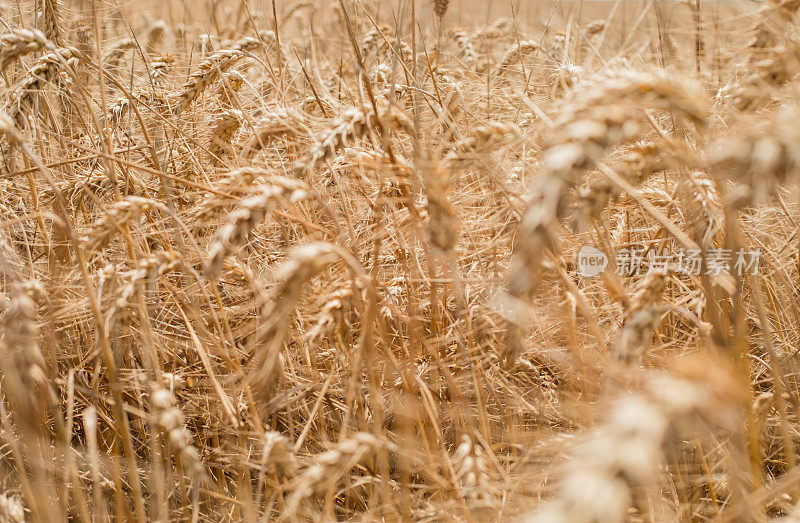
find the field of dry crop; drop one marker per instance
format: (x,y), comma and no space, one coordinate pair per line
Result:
(329,260)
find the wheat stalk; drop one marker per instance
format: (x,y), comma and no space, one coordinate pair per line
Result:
(642,315)
(331,315)
(592,122)
(157,35)
(230,84)
(760,158)
(278,455)
(235,184)
(368,239)
(116,51)
(442,216)
(8,127)
(379,160)
(171,420)
(499,28)
(382,42)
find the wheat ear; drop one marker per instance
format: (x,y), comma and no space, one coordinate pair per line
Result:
(597,118)
(249,213)
(762,158)
(222,132)
(52,22)
(11,509)
(353,124)
(122,213)
(642,315)
(211,68)
(481,141)
(329,467)
(21,362)
(623,454)
(588,128)
(440,7)
(515,53)
(303,263)
(166,414)
(465,45)
(19,43)
(271,125)
(473,468)
(43,71)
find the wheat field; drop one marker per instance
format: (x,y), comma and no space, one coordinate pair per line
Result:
(408,260)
